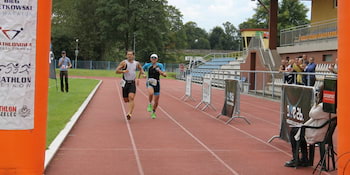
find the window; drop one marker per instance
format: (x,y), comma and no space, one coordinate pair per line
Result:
(335,3)
(327,58)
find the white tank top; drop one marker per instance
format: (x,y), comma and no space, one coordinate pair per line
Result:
(131,67)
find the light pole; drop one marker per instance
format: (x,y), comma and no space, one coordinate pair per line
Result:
(134,42)
(76,53)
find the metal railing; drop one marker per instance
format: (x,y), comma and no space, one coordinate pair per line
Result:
(110,65)
(262,83)
(310,32)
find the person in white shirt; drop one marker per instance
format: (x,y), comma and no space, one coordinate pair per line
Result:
(317,118)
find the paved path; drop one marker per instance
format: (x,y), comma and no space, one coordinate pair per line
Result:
(181,141)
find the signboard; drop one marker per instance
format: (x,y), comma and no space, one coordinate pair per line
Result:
(232,101)
(206,90)
(188,85)
(295,107)
(330,95)
(17,63)
(231,98)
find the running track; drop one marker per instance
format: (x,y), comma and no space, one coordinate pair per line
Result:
(181,141)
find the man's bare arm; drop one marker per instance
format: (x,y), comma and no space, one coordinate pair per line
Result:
(141,70)
(119,69)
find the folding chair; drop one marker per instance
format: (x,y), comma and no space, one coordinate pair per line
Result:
(326,147)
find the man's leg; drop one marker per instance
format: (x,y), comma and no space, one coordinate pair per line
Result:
(150,98)
(66,80)
(131,103)
(61,79)
(156,100)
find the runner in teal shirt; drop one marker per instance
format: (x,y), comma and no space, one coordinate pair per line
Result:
(154,70)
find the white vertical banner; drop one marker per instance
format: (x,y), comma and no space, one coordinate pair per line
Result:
(18,30)
(188,85)
(206,90)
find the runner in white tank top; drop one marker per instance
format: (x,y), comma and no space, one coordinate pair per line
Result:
(128,68)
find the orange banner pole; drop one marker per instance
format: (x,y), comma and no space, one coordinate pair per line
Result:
(343,88)
(22,152)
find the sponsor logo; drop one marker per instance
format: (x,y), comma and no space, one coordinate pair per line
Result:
(24,111)
(8,111)
(329,97)
(294,115)
(15,5)
(11,34)
(12,111)
(230,98)
(15,75)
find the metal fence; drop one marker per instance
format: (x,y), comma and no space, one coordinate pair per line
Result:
(310,32)
(263,83)
(110,65)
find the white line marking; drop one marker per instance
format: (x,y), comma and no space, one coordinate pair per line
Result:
(59,139)
(137,157)
(244,132)
(196,139)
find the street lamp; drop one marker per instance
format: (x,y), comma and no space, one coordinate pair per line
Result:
(76,53)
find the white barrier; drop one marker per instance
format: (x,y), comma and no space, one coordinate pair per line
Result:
(206,94)
(188,88)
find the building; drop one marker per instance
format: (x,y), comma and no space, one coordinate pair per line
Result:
(317,39)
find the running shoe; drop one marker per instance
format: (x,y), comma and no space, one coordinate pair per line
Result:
(153,115)
(149,108)
(128,116)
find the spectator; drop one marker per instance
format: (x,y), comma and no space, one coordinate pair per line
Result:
(304,58)
(298,67)
(289,76)
(64,63)
(317,118)
(283,66)
(309,80)
(334,67)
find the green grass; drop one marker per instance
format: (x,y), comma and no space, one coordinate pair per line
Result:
(104,73)
(62,106)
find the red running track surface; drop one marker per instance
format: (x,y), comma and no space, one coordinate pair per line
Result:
(181,141)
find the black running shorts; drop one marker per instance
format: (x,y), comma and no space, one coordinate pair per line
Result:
(129,88)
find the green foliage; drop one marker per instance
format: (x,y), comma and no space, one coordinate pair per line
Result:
(291,13)
(107,28)
(62,106)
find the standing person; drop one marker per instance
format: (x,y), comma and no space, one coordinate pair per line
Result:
(288,73)
(298,67)
(310,80)
(128,68)
(64,63)
(154,70)
(334,67)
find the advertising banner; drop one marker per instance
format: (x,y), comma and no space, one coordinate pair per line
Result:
(206,90)
(17,63)
(232,94)
(295,107)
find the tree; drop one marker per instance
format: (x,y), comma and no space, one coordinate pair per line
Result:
(196,37)
(232,37)
(291,13)
(217,38)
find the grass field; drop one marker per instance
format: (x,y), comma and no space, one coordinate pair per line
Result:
(103,73)
(62,106)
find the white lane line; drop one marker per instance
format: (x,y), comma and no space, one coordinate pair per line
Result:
(136,153)
(244,132)
(196,139)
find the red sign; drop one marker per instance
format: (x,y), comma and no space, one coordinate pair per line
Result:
(329,97)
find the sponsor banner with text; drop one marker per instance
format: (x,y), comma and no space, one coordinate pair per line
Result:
(17,63)
(296,104)
(206,88)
